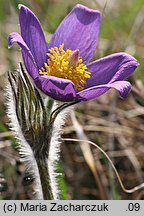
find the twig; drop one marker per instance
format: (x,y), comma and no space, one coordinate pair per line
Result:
(132,190)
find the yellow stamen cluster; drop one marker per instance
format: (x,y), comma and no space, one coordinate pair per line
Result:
(58,65)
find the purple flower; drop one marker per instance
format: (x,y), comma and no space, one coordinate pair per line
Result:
(61,69)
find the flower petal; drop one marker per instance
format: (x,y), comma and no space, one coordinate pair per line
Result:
(79,30)
(90,93)
(111,68)
(30,64)
(33,35)
(56,88)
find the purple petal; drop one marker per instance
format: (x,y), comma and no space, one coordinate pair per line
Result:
(90,93)
(30,64)
(79,30)
(111,68)
(56,88)
(33,35)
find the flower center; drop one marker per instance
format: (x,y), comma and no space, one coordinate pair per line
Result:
(66,65)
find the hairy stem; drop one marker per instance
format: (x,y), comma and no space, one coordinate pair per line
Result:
(44,178)
(42,154)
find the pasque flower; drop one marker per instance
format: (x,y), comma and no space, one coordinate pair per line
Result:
(62,68)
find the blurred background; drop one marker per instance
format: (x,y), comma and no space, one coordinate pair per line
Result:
(116,125)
